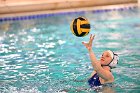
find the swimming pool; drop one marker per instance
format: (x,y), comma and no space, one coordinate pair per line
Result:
(43,56)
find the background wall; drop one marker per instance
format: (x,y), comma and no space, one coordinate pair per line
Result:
(12,6)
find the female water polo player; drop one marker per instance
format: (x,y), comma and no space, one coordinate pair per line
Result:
(102,68)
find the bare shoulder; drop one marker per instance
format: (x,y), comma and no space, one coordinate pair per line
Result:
(110,75)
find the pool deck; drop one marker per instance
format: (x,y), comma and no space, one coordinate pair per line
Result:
(30,7)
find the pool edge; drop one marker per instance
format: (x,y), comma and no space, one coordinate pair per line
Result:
(65,11)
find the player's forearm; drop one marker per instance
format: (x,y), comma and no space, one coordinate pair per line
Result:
(96,65)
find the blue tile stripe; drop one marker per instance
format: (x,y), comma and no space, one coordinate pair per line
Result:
(65,13)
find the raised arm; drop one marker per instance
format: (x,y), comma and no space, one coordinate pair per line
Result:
(105,74)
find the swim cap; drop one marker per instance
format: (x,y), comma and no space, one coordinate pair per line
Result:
(114,60)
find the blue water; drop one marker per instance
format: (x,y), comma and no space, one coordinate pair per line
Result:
(43,56)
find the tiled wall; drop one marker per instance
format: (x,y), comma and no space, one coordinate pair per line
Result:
(14,6)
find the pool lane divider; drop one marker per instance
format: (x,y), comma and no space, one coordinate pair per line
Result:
(37,16)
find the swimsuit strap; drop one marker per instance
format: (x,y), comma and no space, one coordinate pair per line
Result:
(94,80)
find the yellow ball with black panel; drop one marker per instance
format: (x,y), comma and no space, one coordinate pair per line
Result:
(80,26)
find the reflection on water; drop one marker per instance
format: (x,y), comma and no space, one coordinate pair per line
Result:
(42,55)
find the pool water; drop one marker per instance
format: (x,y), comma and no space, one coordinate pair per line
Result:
(43,56)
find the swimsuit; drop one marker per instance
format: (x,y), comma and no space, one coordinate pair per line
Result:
(94,81)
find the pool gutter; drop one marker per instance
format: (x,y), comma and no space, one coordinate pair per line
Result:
(11,8)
